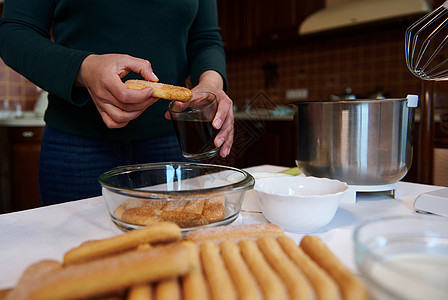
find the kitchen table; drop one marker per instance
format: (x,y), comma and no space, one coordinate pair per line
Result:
(48,232)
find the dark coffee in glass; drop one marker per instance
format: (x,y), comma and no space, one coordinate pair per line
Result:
(193,124)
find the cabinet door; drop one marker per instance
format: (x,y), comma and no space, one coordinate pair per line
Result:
(259,142)
(280,20)
(246,23)
(239,22)
(24,160)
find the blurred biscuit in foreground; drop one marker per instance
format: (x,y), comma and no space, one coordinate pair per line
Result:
(235,232)
(154,233)
(112,273)
(324,286)
(350,285)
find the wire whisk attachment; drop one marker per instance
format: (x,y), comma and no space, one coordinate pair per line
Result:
(425,45)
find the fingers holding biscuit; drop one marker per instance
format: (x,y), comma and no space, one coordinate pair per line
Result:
(101,76)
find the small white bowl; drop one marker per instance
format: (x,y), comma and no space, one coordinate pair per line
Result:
(251,202)
(299,204)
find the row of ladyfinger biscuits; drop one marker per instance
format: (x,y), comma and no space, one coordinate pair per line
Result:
(227,262)
(259,262)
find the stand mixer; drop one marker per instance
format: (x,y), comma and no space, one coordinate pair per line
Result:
(427,58)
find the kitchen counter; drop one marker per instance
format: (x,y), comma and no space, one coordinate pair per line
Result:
(48,232)
(28,119)
(240,115)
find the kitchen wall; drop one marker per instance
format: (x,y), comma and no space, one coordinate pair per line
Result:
(16,89)
(367,61)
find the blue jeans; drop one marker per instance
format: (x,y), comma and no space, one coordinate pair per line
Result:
(70,165)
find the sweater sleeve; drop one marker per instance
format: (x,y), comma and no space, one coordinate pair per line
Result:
(26,47)
(205,50)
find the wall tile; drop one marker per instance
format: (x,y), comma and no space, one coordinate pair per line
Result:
(365,62)
(16,88)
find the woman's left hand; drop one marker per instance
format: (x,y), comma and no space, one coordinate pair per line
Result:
(223,120)
(211,81)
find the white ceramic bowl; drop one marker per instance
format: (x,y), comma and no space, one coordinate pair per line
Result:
(299,204)
(251,203)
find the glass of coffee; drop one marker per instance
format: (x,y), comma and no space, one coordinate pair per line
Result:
(192,121)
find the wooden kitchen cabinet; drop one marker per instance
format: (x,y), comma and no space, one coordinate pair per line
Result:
(245,24)
(19,157)
(259,142)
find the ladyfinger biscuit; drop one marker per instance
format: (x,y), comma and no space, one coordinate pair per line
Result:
(183,219)
(235,232)
(175,205)
(194,285)
(297,284)
(218,278)
(30,278)
(168,289)
(214,208)
(140,216)
(194,206)
(162,90)
(324,286)
(269,282)
(243,280)
(155,205)
(144,216)
(115,272)
(142,291)
(351,287)
(155,233)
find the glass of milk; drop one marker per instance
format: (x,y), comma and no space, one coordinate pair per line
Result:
(404,257)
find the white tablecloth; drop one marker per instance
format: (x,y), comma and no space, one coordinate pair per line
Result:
(48,232)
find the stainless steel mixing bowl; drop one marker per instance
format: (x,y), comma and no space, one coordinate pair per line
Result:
(361,142)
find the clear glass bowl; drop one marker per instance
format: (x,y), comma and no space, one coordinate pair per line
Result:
(190,194)
(404,257)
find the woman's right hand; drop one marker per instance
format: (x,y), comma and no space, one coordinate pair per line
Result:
(117,104)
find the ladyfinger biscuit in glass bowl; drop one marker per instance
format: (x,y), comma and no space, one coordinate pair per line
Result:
(192,195)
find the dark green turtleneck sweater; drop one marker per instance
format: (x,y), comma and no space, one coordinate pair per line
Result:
(179,37)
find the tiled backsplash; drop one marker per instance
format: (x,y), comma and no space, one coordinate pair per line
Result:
(16,89)
(365,61)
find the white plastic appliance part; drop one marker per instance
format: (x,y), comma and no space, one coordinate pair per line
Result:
(435,202)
